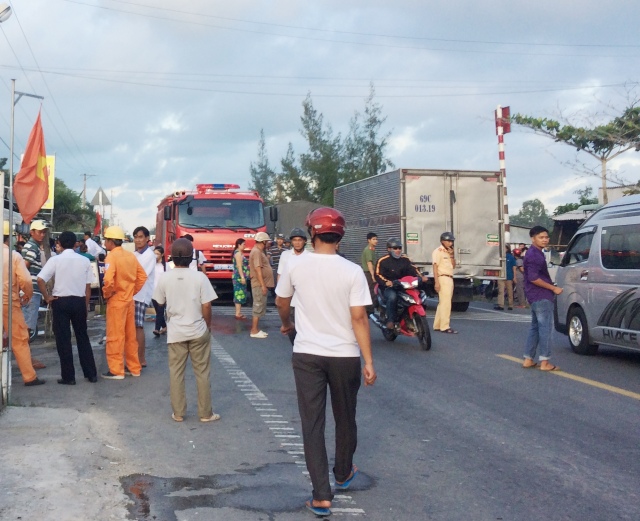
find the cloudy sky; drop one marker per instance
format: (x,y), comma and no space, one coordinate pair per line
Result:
(148,96)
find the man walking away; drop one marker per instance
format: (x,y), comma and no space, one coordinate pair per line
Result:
(261,281)
(444,263)
(187,295)
(69,302)
(19,332)
(333,331)
(93,247)
(369,260)
(540,293)
(123,278)
(142,299)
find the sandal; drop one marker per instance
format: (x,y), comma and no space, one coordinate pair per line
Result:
(345,484)
(177,418)
(550,368)
(156,332)
(240,317)
(449,331)
(318,511)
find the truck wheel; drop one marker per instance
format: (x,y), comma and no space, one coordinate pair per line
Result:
(423,332)
(578,332)
(459,306)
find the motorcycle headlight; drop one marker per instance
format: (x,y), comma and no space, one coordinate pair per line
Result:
(407,298)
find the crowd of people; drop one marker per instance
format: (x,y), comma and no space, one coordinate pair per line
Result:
(323,301)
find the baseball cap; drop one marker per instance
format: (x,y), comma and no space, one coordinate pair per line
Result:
(262,237)
(280,236)
(38,225)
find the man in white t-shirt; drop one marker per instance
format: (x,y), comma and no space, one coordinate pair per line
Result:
(188,295)
(142,299)
(332,332)
(197,257)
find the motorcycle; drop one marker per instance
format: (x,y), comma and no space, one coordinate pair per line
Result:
(411,315)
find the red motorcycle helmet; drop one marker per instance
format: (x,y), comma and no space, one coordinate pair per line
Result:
(325,220)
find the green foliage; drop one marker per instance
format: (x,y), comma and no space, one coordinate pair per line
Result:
(262,175)
(329,160)
(68,213)
(585,198)
(531,214)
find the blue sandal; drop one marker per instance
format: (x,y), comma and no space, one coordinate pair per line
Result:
(318,511)
(345,484)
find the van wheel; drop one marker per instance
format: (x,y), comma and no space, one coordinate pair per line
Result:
(578,331)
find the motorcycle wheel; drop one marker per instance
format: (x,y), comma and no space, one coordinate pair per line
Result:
(389,335)
(423,332)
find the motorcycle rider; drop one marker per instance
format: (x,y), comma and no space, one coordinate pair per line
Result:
(392,267)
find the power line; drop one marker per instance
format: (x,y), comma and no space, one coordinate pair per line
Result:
(368,44)
(375,35)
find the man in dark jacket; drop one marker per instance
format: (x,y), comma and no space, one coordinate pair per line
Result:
(394,266)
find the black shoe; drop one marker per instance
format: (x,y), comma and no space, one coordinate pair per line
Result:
(110,376)
(34,382)
(66,382)
(499,308)
(510,308)
(92,379)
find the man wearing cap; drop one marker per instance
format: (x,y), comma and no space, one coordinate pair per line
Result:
(261,281)
(19,332)
(69,302)
(298,242)
(444,263)
(33,255)
(123,278)
(198,259)
(188,297)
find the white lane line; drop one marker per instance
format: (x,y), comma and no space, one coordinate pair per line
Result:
(261,404)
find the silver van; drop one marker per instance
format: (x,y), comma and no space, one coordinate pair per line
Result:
(600,276)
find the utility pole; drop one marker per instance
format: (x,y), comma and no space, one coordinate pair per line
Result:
(84,188)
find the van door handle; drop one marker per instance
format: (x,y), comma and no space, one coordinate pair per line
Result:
(584,274)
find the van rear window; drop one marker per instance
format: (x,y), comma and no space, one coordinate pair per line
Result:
(620,247)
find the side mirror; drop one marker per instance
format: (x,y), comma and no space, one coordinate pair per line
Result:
(167,213)
(273,213)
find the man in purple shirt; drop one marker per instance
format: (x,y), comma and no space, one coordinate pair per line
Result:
(540,293)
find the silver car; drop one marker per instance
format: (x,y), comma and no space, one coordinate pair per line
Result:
(600,275)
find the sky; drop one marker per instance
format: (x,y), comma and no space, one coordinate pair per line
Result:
(149,96)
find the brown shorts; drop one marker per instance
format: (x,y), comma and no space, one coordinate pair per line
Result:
(259,302)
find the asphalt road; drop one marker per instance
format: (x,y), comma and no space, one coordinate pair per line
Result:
(456,433)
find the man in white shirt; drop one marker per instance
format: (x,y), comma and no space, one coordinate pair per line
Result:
(298,242)
(188,295)
(93,248)
(142,299)
(332,332)
(197,257)
(69,302)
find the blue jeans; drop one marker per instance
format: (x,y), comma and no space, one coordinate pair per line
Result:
(391,296)
(540,332)
(30,311)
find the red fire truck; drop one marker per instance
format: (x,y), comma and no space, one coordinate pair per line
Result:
(215,215)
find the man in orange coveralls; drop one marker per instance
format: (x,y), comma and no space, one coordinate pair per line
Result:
(123,278)
(19,331)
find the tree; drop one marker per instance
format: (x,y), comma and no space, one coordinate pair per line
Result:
(531,214)
(364,149)
(322,163)
(295,186)
(262,176)
(585,198)
(68,213)
(603,142)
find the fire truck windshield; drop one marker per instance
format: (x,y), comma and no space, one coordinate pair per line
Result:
(220,213)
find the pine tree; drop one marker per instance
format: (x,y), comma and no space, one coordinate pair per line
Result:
(262,176)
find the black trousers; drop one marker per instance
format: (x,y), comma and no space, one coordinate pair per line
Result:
(69,311)
(312,375)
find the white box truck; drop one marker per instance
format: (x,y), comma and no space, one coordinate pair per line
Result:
(417,205)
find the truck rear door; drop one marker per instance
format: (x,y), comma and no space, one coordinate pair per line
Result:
(467,203)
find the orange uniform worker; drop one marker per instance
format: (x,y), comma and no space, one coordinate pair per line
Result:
(123,278)
(19,331)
